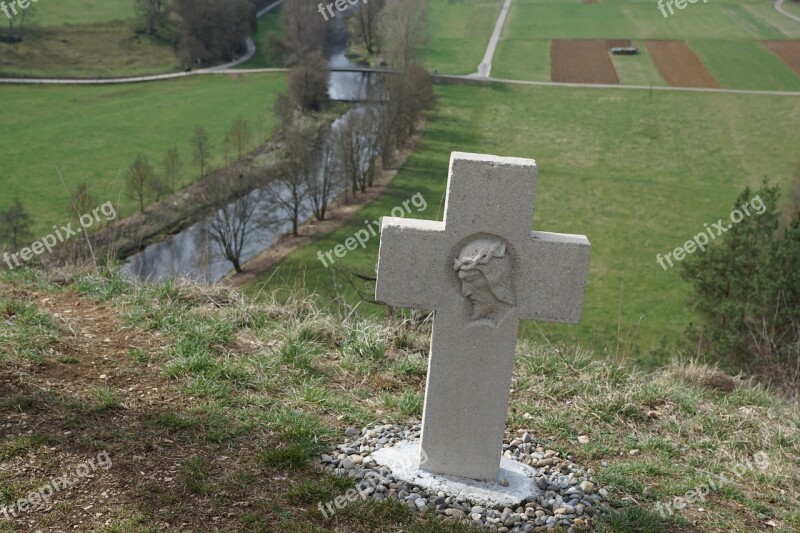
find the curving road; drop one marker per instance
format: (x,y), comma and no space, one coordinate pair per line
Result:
(779,9)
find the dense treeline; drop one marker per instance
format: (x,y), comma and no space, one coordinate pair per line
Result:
(204,31)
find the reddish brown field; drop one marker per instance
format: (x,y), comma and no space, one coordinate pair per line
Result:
(582,61)
(679,66)
(788,51)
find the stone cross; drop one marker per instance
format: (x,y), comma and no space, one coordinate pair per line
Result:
(482,270)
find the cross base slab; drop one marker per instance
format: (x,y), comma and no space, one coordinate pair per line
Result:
(403,460)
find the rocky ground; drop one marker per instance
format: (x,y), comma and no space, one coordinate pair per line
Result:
(568,496)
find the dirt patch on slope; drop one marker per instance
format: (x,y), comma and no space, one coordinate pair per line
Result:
(582,61)
(788,51)
(679,65)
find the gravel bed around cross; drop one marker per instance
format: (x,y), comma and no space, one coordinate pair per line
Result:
(567,498)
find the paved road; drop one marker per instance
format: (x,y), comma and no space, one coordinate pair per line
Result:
(485,68)
(446,77)
(779,9)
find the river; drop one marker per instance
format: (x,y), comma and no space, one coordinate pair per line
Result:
(191,253)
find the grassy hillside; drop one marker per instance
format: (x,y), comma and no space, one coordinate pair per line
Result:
(459,33)
(94,133)
(85,39)
(82,12)
(214,407)
(612,166)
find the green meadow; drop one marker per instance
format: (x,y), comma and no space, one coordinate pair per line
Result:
(85,39)
(638,174)
(723,34)
(459,34)
(93,133)
(58,12)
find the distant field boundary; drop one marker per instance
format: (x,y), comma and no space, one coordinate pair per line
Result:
(439,77)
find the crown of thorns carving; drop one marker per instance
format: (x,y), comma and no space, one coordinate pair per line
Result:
(482,257)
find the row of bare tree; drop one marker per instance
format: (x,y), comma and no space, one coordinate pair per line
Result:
(143,183)
(314,168)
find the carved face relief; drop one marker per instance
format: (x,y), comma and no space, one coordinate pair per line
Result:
(485,269)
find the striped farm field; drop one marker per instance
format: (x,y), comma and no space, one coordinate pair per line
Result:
(582,61)
(788,51)
(679,65)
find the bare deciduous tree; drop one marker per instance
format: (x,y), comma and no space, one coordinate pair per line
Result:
(289,188)
(239,137)
(353,143)
(283,109)
(15,225)
(201,147)
(304,30)
(365,24)
(308,82)
(323,178)
(16,18)
(140,176)
(173,169)
(404,99)
(404,29)
(81,200)
(232,226)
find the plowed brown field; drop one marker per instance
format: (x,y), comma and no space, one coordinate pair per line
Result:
(788,51)
(679,66)
(582,61)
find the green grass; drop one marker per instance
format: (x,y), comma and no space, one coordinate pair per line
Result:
(81,11)
(745,65)
(93,133)
(522,59)
(247,459)
(459,34)
(639,69)
(101,50)
(637,176)
(28,335)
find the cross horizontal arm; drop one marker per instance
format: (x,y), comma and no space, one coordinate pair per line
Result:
(410,266)
(552,285)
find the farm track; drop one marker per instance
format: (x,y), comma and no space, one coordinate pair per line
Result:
(582,61)
(679,65)
(788,51)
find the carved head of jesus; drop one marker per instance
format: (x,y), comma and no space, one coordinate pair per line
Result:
(485,268)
